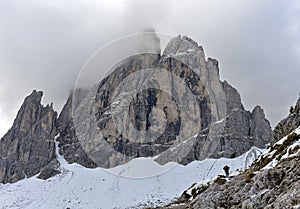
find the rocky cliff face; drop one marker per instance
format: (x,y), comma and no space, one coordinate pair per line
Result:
(120,118)
(69,145)
(29,146)
(288,124)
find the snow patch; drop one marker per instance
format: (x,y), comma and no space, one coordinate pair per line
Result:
(80,187)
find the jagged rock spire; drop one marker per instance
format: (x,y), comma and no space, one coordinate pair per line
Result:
(28,147)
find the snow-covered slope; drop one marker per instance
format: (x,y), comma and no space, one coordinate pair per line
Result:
(132,185)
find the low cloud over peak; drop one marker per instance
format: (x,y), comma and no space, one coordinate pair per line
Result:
(44,44)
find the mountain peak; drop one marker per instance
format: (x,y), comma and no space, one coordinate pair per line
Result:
(181,45)
(258,109)
(35,97)
(89,115)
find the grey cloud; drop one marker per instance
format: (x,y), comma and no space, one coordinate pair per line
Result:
(44,44)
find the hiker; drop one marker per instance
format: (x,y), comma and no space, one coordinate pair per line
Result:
(226,168)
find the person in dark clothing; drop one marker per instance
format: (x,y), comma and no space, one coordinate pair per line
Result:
(226,168)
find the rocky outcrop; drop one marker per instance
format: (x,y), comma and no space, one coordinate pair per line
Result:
(288,124)
(276,188)
(259,127)
(29,146)
(261,186)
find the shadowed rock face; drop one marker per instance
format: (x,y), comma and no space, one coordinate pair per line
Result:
(68,141)
(29,146)
(224,127)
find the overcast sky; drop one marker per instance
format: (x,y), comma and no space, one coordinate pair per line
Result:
(44,44)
